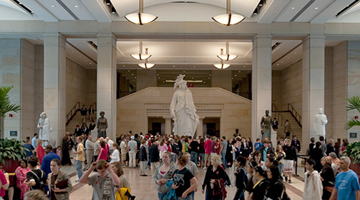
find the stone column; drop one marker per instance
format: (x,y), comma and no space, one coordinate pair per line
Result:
(55,83)
(200,128)
(168,125)
(261,81)
(106,81)
(313,83)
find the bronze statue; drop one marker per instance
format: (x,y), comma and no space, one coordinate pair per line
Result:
(265,124)
(102,125)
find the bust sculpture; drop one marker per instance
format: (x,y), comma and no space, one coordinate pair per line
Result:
(44,127)
(102,125)
(183,110)
(265,124)
(320,121)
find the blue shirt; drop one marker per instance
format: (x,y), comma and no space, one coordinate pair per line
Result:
(347,183)
(258,146)
(29,148)
(264,154)
(45,165)
(34,142)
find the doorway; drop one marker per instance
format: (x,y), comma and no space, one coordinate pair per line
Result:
(156,124)
(212,125)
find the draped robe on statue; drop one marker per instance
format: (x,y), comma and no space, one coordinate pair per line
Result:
(183,110)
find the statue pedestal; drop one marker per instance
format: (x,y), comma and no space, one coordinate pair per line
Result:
(273,138)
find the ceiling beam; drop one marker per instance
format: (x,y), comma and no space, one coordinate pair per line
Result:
(98,10)
(330,11)
(39,10)
(272,9)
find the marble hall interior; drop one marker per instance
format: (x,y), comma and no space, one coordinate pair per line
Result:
(292,57)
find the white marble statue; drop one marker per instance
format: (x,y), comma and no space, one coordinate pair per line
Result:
(44,127)
(183,110)
(320,121)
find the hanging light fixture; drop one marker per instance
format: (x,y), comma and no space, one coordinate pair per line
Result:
(227,56)
(228,19)
(221,65)
(146,65)
(140,55)
(140,18)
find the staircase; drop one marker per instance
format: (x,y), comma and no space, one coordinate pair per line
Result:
(73,117)
(294,118)
(76,120)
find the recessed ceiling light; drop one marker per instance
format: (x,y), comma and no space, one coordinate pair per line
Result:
(184,71)
(76,6)
(293,8)
(209,74)
(158,74)
(316,8)
(232,78)
(288,57)
(194,66)
(239,71)
(123,65)
(192,77)
(204,82)
(244,66)
(281,61)
(174,66)
(132,74)
(295,52)
(277,64)
(235,75)
(90,63)
(52,6)
(135,77)
(159,77)
(209,77)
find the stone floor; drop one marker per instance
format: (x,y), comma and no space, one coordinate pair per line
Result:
(145,189)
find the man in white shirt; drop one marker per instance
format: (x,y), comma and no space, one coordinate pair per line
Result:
(89,145)
(110,143)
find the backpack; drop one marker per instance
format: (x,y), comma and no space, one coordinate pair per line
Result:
(175,148)
(42,184)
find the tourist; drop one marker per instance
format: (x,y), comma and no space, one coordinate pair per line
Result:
(276,188)
(214,173)
(28,147)
(50,155)
(162,174)
(59,183)
(35,178)
(103,153)
(248,140)
(118,170)
(316,155)
(34,140)
(40,153)
(175,148)
(35,195)
(89,146)
(287,128)
(327,177)
(20,173)
(241,178)
(335,163)
(323,145)
(154,156)
(80,158)
(194,151)
(266,151)
(346,183)
(201,153)
(189,183)
(207,147)
(245,148)
(123,149)
(296,143)
(289,160)
(259,188)
(115,156)
(279,156)
(224,145)
(230,158)
(132,146)
(162,147)
(67,146)
(257,144)
(103,182)
(142,158)
(270,161)
(97,148)
(313,188)
(192,167)
(311,146)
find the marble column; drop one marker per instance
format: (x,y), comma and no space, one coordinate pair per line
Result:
(261,81)
(313,87)
(168,125)
(200,128)
(106,80)
(55,83)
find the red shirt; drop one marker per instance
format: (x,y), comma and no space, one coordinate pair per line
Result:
(3,182)
(207,146)
(40,153)
(103,154)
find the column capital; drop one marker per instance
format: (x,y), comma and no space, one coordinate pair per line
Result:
(262,41)
(106,39)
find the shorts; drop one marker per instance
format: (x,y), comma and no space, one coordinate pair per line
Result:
(123,156)
(207,157)
(288,165)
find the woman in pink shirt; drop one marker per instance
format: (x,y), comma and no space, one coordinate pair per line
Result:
(103,154)
(162,147)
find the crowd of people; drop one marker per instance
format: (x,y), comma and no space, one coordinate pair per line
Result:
(260,169)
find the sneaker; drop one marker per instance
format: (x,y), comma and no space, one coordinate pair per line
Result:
(77,180)
(286,179)
(143,175)
(204,168)
(289,181)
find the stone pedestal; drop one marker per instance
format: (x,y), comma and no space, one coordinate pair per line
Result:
(261,82)
(200,128)
(168,125)
(313,84)
(55,83)
(106,81)
(274,138)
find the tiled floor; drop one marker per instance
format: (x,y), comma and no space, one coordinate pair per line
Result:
(145,189)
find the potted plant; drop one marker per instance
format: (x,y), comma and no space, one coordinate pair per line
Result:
(5,105)
(11,152)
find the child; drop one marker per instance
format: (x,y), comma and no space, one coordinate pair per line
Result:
(142,158)
(257,144)
(241,178)
(58,151)
(103,182)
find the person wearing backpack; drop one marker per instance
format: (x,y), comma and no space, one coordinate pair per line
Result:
(36,178)
(241,178)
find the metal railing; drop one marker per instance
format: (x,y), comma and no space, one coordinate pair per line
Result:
(295,114)
(279,116)
(72,112)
